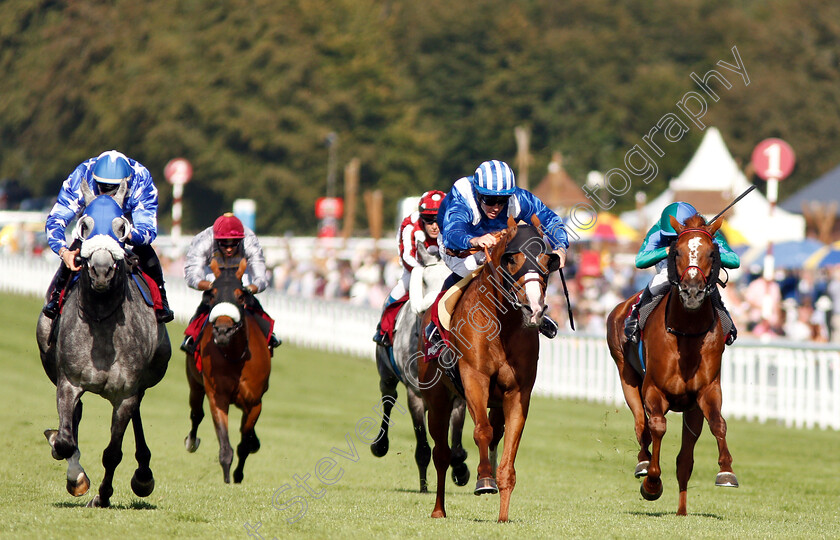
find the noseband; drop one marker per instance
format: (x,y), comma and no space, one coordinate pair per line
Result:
(510,284)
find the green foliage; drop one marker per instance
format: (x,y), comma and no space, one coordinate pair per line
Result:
(574,466)
(421,92)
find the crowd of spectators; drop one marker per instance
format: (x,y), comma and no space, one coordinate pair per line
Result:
(797,305)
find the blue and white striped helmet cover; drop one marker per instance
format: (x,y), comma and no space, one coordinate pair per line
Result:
(494,177)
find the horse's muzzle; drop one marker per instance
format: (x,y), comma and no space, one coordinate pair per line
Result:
(692,297)
(531,318)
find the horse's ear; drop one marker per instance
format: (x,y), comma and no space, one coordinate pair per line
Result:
(243,264)
(214,267)
(119,197)
(511,222)
(535,221)
(715,225)
(678,227)
(424,256)
(87,193)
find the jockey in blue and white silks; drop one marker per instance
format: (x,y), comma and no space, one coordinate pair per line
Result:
(466,217)
(140,205)
(103,175)
(480,205)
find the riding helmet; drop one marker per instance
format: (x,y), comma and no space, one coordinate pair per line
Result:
(228,226)
(494,178)
(680,210)
(111,167)
(430,202)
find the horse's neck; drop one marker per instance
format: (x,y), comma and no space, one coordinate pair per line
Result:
(683,320)
(491,291)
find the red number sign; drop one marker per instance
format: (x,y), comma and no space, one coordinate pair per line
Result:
(773,159)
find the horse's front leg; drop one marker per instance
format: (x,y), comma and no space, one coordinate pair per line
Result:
(112,456)
(631,385)
(143,481)
(78,482)
(219,406)
(388,388)
(515,405)
(422,451)
(710,401)
(477,393)
(692,427)
(460,471)
(657,406)
(67,399)
(249,443)
(497,422)
(196,383)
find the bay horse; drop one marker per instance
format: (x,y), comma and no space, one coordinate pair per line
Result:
(682,348)
(235,365)
(398,364)
(495,341)
(107,341)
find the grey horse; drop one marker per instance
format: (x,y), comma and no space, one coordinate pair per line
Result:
(398,364)
(106,341)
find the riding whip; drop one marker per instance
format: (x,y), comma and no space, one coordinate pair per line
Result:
(568,302)
(741,196)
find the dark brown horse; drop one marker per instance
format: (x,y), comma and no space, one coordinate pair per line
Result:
(495,339)
(235,364)
(682,348)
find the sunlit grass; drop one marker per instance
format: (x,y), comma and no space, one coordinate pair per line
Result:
(574,469)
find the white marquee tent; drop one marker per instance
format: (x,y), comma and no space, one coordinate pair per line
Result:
(712,169)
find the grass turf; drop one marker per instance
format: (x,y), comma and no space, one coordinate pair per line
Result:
(574,467)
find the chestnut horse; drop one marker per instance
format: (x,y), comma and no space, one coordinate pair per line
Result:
(682,347)
(495,341)
(235,364)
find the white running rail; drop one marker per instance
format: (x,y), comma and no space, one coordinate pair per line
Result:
(794,384)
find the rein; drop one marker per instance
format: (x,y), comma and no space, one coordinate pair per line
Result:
(515,287)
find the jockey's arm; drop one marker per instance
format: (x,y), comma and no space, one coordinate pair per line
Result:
(141,204)
(728,258)
(256,262)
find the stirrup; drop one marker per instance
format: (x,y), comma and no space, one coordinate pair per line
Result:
(188,346)
(731,336)
(274,342)
(164,315)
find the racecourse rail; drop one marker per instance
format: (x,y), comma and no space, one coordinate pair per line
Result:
(796,384)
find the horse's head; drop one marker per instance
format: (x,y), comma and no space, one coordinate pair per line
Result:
(103,229)
(525,260)
(434,272)
(694,260)
(226,313)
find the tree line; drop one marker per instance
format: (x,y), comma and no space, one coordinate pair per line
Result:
(420,92)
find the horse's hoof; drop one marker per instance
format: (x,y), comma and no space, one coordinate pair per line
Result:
(438,514)
(641,469)
(142,488)
(461,474)
(51,434)
(96,502)
(191,444)
(486,486)
(380,447)
(238,476)
(648,496)
(79,486)
(726,479)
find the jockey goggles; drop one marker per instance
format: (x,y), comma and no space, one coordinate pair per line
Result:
(493,200)
(428,219)
(229,242)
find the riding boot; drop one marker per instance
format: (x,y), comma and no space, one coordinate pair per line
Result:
(150,264)
(433,338)
(631,324)
(548,327)
(57,286)
(164,314)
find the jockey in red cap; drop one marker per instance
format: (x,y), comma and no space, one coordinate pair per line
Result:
(418,227)
(227,241)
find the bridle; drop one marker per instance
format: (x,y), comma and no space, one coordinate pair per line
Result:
(711,280)
(510,284)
